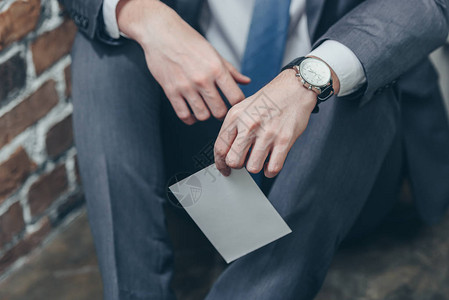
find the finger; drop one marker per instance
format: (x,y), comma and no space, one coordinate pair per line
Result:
(197,105)
(239,77)
(214,101)
(276,162)
(259,153)
(181,109)
(229,88)
(222,145)
(239,150)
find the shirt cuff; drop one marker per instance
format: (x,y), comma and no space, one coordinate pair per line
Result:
(345,64)
(110,18)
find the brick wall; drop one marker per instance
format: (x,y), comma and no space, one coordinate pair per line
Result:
(39,185)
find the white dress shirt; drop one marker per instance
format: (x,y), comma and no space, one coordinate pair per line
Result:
(226,25)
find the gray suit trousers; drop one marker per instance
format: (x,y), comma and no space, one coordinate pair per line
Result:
(342,174)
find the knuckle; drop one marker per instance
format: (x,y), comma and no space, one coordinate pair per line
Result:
(219,152)
(183,115)
(233,112)
(230,67)
(237,97)
(242,141)
(252,169)
(274,169)
(252,124)
(200,80)
(284,140)
(203,115)
(216,69)
(233,163)
(182,87)
(270,134)
(195,104)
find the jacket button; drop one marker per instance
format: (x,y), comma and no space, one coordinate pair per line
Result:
(84,23)
(76,19)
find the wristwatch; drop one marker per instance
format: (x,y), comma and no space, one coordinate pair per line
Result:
(315,75)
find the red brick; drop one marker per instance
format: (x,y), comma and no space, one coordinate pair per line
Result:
(47,189)
(25,246)
(52,46)
(27,112)
(59,137)
(18,20)
(13,76)
(68,82)
(11,223)
(14,171)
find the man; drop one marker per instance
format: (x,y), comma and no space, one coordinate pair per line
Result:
(344,164)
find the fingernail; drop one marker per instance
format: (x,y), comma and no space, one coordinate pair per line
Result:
(226,172)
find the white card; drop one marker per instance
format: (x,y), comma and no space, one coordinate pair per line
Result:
(231,211)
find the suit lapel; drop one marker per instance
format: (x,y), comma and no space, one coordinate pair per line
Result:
(314,9)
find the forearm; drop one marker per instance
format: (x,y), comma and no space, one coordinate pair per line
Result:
(388,41)
(134,23)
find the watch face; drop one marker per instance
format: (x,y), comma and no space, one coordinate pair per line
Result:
(315,72)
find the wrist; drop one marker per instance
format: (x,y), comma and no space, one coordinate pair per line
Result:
(134,17)
(306,98)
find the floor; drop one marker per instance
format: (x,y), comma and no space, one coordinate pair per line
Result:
(402,261)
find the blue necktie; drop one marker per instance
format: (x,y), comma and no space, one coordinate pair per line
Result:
(265,47)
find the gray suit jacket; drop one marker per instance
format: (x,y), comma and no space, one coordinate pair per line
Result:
(392,40)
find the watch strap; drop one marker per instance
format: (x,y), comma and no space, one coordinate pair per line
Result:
(295,62)
(327,92)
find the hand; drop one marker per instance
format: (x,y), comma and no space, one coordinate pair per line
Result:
(187,67)
(270,121)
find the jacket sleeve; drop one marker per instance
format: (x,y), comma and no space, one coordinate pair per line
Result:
(87,15)
(390,36)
